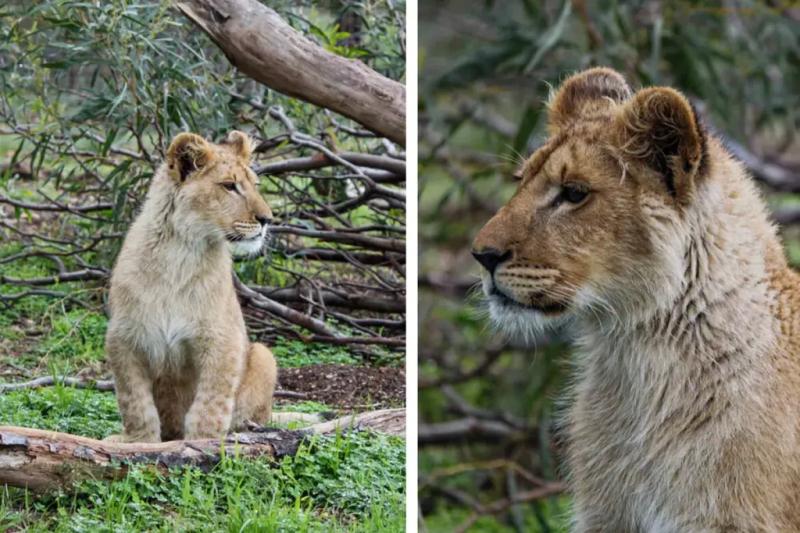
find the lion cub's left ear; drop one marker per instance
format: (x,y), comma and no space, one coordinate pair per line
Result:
(659,129)
(586,94)
(240,143)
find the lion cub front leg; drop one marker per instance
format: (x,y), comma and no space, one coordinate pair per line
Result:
(220,372)
(134,389)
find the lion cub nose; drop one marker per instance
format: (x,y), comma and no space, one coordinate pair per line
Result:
(490,258)
(263,220)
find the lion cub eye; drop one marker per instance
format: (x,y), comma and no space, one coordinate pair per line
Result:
(572,194)
(229,186)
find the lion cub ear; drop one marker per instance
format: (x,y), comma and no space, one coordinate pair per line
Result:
(658,128)
(240,143)
(188,153)
(584,94)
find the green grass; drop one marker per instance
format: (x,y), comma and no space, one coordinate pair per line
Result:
(352,482)
(294,353)
(80,411)
(306,406)
(73,339)
(338,483)
(76,338)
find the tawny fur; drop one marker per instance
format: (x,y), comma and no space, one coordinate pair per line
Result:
(176,341)
(683,416)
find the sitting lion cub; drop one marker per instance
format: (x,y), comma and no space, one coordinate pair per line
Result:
(176,341)
(637,230)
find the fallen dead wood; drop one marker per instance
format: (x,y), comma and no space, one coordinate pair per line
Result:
(43,460)
(101,385)
(391,421)
(263,46)
(49,381)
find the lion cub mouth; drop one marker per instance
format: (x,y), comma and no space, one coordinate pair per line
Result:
(547,308)
(243,245)
(238,237)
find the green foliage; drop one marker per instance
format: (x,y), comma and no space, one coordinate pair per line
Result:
(78,411)
(295,353)
(76,338)
(344,483)
(306,406)
(73,338)
(330,38)
(350,474)
(92,94)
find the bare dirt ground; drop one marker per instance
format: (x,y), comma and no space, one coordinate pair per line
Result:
(347,386)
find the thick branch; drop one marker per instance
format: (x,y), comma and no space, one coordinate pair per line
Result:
(286,313)
(332,254)
(56,206)
(365,241)
(263,46)
(395,169)
(469,428)
(330,298)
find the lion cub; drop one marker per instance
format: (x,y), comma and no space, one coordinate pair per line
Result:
(176,341)
(633,227)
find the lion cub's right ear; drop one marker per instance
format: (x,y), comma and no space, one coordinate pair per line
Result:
(188,153)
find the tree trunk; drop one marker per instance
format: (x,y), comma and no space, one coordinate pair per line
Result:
(260,44)
(43,460)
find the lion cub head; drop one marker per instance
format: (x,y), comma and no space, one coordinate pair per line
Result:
(216,191)
(596,223)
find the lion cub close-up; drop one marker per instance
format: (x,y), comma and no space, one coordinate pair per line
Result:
(176,341)
(634,229)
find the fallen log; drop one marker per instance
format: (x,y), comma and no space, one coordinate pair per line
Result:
(263,46)
(43,460)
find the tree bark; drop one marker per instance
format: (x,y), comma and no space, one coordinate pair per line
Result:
(263,46)
(44,460)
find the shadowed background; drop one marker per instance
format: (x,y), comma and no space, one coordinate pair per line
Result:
(489,459)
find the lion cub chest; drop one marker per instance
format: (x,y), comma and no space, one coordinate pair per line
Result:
(169,329)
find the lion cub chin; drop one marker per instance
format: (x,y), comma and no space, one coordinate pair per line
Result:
(635,229)
(176,341)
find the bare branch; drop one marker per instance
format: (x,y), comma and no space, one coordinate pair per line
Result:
(259,43)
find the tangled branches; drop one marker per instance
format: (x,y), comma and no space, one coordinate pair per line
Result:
(85,127)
